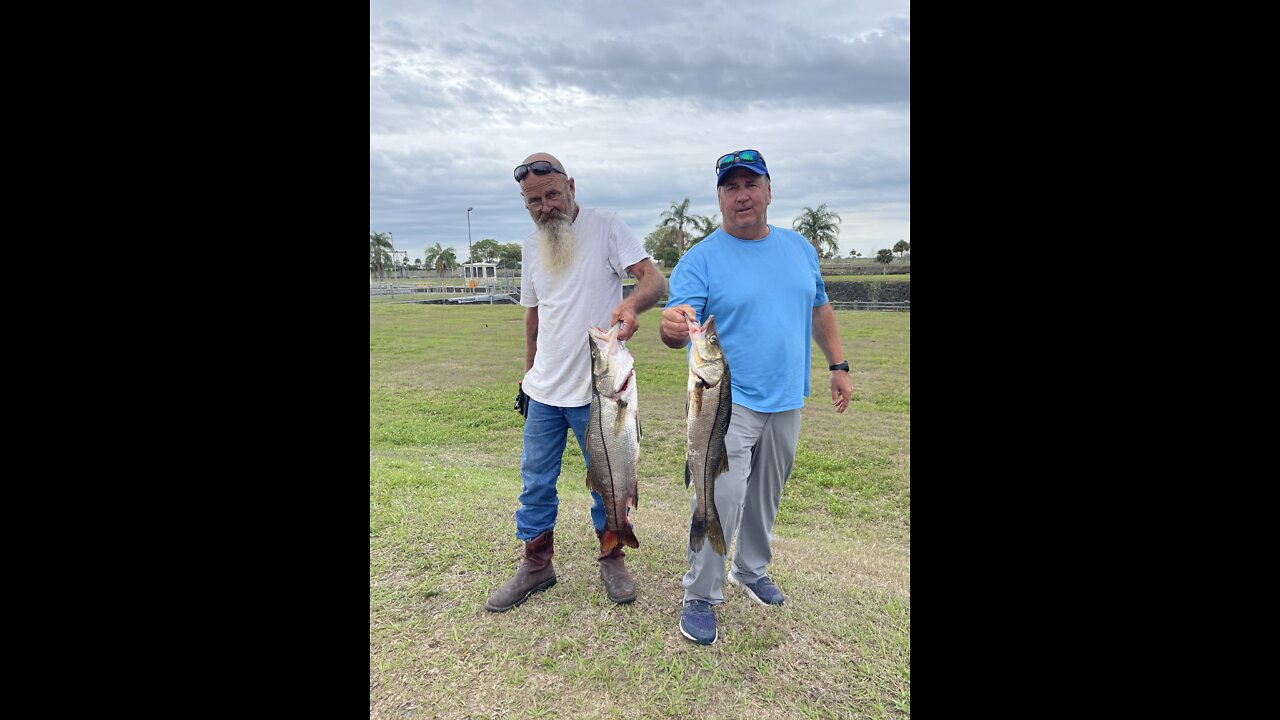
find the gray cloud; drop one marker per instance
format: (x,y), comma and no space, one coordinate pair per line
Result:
(637,99)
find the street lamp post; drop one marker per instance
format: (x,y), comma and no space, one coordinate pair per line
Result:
(469,235)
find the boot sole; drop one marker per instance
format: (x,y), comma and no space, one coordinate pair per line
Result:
(549,582)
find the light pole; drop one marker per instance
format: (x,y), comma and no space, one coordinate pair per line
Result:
(469,235)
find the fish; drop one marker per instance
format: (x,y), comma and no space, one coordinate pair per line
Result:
(708,409)
(613,435)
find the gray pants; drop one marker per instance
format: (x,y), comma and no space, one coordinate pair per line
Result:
(762,449)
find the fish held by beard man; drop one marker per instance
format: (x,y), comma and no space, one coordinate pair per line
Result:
(613,435)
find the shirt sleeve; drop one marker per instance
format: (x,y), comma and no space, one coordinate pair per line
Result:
(627,248)
(528,288)
(819,287)
(689,284)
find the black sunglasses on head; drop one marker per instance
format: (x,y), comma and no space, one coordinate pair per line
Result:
(539,167)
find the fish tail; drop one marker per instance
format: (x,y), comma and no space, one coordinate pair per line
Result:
(716,534)
(697,534)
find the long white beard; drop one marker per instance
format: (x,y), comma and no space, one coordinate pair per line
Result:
(556,242)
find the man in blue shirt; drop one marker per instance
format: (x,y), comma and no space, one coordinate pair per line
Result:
(763,285)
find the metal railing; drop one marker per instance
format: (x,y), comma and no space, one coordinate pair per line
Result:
(904,306)
(492,293)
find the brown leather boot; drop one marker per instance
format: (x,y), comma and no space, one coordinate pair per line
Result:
(535,574)
(617,581)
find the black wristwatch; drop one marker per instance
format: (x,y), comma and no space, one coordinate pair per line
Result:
(842,365)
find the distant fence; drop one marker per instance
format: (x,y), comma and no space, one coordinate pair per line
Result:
(499,293)
(873,305)
(899,266)
(399,289)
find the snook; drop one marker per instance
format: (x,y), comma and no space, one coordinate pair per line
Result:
(708,407)
(613,435)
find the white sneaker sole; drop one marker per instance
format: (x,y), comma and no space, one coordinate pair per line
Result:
(734,581)
(695,640)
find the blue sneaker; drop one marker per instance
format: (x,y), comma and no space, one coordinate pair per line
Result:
(762,591)
(698,622)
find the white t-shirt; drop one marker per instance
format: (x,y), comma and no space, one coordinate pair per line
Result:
(584,294)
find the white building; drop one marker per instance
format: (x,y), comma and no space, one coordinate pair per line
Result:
(480,273)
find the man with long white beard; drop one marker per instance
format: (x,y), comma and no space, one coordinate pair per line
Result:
(573,268)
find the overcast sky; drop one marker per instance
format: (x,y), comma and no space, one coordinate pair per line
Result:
(637,99)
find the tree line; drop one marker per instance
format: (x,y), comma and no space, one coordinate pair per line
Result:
(820,226)
(677,231)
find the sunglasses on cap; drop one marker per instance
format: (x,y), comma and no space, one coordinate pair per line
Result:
(746,157)
(539,167)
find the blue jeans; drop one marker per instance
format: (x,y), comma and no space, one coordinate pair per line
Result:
(544,443)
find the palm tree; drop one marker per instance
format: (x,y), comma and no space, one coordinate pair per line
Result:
(703,226)
(676,217)
(820,227)
(433,255)
(441,258)
(379,252)
(901,247)
(884,257)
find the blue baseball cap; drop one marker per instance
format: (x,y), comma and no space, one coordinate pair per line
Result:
(749,159)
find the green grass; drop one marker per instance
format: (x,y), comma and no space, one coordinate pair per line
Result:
(444,453)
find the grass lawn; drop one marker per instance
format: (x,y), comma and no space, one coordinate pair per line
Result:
(444,455)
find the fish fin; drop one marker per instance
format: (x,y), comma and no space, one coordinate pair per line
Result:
(628,536)
(724,464)
(688,476)
(635,494)
(608,541)
(716,534)
(589,485)
(639,431)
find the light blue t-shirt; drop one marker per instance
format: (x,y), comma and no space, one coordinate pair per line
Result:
(762,294)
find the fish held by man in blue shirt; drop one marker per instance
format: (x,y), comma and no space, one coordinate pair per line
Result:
(708,408)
